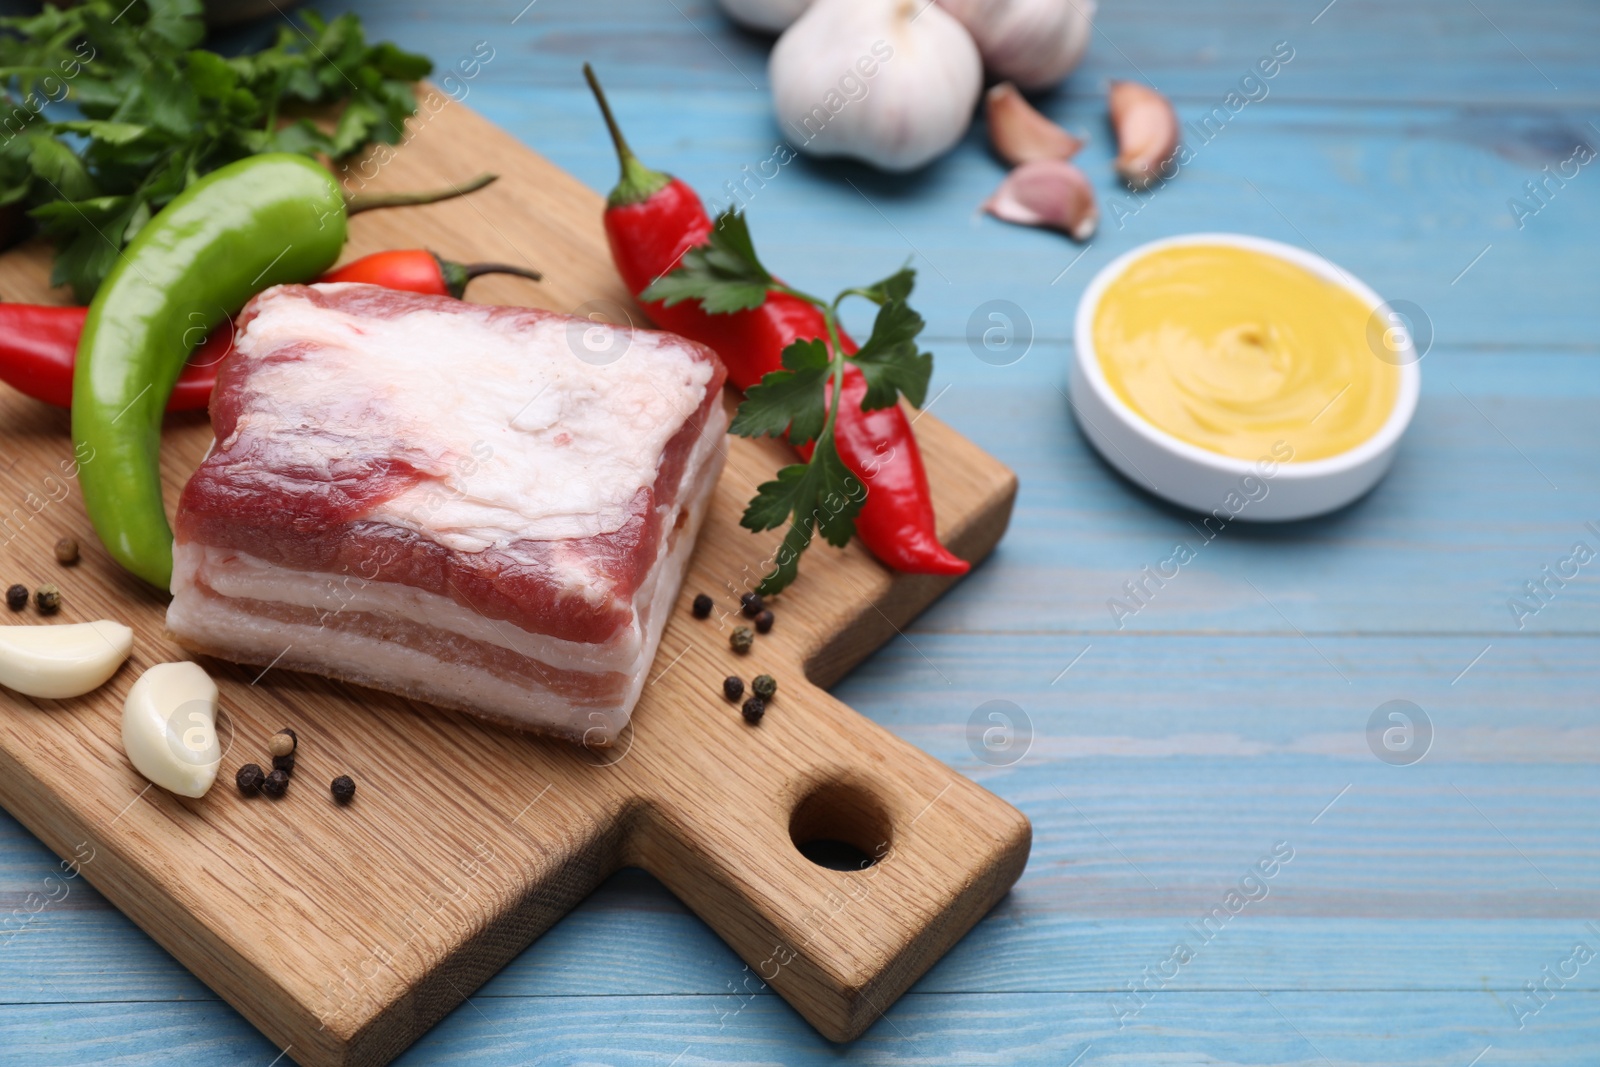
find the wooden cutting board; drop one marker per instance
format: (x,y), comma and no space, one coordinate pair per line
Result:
(345,933)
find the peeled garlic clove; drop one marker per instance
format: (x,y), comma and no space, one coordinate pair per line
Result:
(169,728)
(1147,132)
(1047,192)
(770,16)
(56,662)
(892,82)
(1019,133)
(1034,43)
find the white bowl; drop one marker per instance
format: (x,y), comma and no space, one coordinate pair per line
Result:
(1209,481)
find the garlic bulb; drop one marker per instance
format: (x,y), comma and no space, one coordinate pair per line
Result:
(1050,193)
(1034,43)
(893,82)
(770,16)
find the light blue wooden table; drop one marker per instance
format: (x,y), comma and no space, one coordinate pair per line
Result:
(1229,717)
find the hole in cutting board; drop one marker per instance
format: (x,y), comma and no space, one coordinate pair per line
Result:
(841,826)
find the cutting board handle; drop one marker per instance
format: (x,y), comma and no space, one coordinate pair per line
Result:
(927,853)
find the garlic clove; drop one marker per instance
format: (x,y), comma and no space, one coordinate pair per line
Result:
(1047,192)
(1019,133)
(1034,43)
(57,662)
(768,16)
(169,728)
(1147,132)
(891,82)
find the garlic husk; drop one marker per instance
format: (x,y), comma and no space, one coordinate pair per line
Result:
(1050,193)
(1147,132)
(891,82)
(169,728)
(1034,43)
(768,16)
(1019,133)
(58,662)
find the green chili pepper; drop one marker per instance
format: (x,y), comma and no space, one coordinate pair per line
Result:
(260,222)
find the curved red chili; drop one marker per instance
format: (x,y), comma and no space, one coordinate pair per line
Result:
(39,343)
(651,220)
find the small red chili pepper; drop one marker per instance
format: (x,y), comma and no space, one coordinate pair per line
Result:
(39,343)
(416,270)
(651,220)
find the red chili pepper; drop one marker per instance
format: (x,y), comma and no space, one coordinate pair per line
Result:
(416,270)
(39,343)
(651,220)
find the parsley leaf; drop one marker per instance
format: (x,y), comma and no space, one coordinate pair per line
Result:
(724,275)
(792,399)
(890,360)
(896,286)
(155,112)
(821,495)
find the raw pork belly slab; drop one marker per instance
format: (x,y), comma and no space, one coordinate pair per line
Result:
(474,506)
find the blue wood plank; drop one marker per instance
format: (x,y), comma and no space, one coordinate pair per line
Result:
(1358,50)
(1241,1027)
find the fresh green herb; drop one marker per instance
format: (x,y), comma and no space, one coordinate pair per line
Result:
(801,401)
(155,112)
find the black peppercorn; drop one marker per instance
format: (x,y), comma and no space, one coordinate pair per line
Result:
(17,597)
(284,764)
(249,779)
(765,686)
(764,622)
(741,639)
(283,743)
(751,604)
(66,551)
(733,687)
(753,709)
(47,599)
(343,788)
(276,784)
(702,607)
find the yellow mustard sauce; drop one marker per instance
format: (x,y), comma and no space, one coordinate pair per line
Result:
(1235,351)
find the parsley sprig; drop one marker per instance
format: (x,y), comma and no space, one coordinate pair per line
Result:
(801,401)
(154,112)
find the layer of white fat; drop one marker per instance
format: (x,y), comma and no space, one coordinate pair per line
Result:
(526,438)
(220,624)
